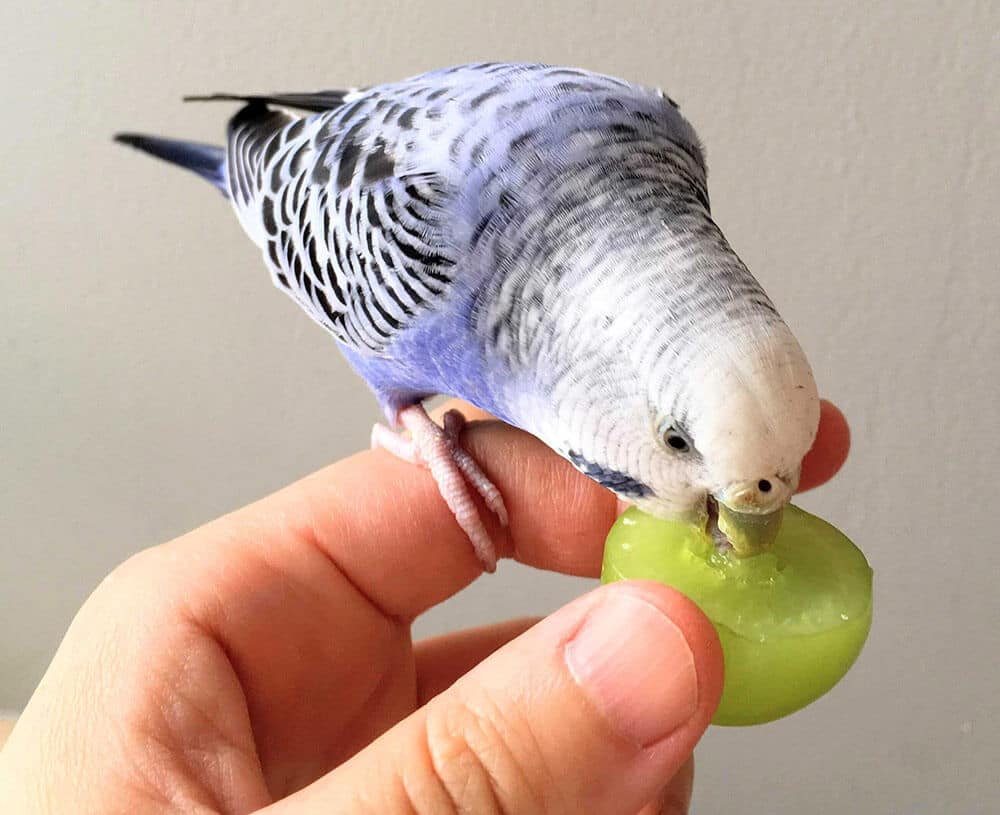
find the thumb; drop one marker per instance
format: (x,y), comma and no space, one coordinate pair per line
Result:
(592,710)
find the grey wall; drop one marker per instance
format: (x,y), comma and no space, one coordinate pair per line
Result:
(151,379)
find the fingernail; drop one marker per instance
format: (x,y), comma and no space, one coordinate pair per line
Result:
(636,666)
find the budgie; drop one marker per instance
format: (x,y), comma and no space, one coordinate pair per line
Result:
(538,241)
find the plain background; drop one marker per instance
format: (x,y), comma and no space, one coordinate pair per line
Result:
(151,378)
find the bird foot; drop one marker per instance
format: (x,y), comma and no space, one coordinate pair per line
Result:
(454,470)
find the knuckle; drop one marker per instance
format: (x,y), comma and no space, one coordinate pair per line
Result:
(485,758)
(135,568)
(124,596)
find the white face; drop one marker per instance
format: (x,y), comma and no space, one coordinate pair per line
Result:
(752,414)
(732,422)
(744,415)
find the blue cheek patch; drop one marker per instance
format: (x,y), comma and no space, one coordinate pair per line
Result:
(611,479)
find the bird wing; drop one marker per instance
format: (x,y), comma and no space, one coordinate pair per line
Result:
(350,228)
(365,206)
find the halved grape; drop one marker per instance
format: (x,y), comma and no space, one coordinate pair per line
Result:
(791,620)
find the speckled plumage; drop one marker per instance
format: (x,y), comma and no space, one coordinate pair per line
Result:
(400,201)
(536,240)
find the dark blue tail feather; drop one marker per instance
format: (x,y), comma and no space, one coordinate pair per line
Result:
(206,160)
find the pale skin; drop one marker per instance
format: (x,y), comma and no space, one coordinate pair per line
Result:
(265,661)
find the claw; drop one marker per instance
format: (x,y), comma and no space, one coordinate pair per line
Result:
(453,469)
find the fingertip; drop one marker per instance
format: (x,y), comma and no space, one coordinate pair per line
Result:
(829,450)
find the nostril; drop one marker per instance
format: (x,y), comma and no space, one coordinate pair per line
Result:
(764,485)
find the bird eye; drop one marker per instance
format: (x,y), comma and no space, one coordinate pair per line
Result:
(675,438)
(677,441)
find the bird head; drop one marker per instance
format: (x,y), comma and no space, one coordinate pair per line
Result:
(727,448)
(675,382)
(716,441)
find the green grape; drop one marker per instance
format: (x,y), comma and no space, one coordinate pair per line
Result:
(791,620)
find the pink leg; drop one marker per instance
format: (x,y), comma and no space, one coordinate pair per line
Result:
(454,422)
(400,447)
(453,469)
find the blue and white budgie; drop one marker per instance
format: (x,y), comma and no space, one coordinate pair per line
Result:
(536,240)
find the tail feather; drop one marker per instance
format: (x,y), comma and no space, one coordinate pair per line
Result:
(206,160)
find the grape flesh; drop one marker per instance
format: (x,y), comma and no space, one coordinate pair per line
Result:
(791,620)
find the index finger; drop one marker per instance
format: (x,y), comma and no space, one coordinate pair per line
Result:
(386,528)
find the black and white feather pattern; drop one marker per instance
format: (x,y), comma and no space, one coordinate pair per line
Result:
(351,233)
(369,207)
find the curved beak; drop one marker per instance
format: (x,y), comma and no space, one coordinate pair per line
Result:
(749,533)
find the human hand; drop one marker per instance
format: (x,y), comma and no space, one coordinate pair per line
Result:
(265,661)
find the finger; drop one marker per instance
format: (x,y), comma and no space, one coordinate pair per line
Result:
(310,592)
(570,717)
(829,451)
(382,525)
(442,660)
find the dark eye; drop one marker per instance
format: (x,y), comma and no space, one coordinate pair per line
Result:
(674,437)
(677,441)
